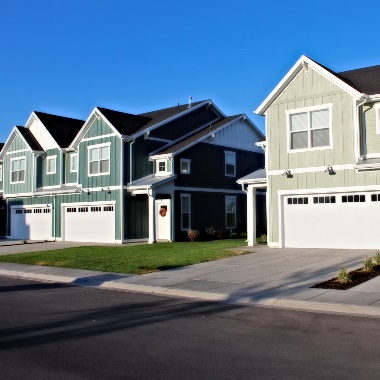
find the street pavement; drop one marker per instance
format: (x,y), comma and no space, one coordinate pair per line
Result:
(263,277)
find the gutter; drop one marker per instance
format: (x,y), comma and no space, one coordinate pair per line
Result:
(130,161)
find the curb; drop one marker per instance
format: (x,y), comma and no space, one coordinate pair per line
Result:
(283,303)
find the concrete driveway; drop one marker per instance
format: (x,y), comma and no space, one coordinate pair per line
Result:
(267,276)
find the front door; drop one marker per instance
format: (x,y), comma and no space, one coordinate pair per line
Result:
(163,219)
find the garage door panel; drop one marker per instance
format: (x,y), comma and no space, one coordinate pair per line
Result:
(89,223)
(31,223)
(333,225)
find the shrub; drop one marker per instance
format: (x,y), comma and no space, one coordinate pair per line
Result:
(192,234)
(344,276)
(376,258)
(234,235)
(243,235)
(368,264)
(210,232)
(219,234)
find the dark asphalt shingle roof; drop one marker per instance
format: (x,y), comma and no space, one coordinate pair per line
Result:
(63,129)
(1,146)
(30,139)
(128,124)
(197,136)
(365,80)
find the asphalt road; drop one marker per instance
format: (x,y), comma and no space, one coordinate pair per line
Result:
(54,331)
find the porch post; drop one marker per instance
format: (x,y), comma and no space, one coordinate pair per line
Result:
(251,216)
(151,211)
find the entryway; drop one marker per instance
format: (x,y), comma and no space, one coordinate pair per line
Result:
(163,219)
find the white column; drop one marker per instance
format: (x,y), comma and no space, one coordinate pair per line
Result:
(251,216)
(152,237)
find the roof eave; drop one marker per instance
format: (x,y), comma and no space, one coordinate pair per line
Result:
(296,68)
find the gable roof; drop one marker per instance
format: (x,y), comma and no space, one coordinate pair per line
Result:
(304,62)
(62,129)
(1,146)
(366,80)
(29,139)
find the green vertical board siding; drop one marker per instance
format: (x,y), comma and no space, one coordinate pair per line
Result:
(70,177)
(111,179)
(136,214)
(98,128)
(372,138)
(51,179)
(1,177)
(311,90)
(18,188)
(17,144)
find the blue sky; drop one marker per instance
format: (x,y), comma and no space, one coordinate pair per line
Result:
(66,57)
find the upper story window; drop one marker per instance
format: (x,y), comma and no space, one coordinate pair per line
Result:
(309,128)
(74,163)
(51,163)
(185,166)
(163,167)
(18,170)
(230,164)
(98,160)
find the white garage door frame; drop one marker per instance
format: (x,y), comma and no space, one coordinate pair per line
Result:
(42,223)
(284,194)
(87,204)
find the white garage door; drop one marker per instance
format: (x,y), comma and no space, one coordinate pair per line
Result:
(31,223)
(89,223)
(332,221)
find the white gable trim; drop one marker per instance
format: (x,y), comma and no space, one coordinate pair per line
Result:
(44,138)
(9,141)
(95,114)
(304,63)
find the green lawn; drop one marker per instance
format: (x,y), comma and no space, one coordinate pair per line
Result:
(136,259)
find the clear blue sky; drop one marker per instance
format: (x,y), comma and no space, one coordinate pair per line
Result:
(67,56)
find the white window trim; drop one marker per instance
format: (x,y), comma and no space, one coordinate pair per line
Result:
(88,159)
(225,211)
(377,117)
(166,171)
(225,163)
(10,169)
(1,173)
(71,162)
(185,160)
(50,158)
(290,112)
(182,227)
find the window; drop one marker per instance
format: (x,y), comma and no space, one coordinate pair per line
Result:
(298,201)
(230,212)
(18,170)
(230,164)
(162,166)
(96,209)
(98,160)
(185,212)
(324,199)
(51,165)
(185,166)
(1,172)
(74,163)
(353,198)
(309,127)
(108,208)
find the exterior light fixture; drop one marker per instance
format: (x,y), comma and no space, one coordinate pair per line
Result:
(288,173)
(330,170)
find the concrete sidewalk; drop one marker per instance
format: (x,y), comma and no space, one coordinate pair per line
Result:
(267,277)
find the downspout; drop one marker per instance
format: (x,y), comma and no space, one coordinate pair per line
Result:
(54,215)
(122,191)
(361,131)
(62,166)
(130,160)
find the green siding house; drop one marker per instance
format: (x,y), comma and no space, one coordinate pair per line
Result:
(119,177)
(322,169)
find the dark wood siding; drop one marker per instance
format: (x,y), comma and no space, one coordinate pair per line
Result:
(136,217)
(186,124)
(207,166)
(3,218)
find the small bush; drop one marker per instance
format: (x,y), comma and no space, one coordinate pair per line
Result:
(234,235)
(192,234)
(243,235)
(344,276)
(376,258)
(368,264)
(219,234)
(210,231)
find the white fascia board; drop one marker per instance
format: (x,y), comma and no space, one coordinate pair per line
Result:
(297,67)
(188,110)
(87,125)
(29,122)
(252,181)
(156,157)
(10,140)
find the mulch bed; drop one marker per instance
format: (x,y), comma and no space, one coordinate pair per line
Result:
(358,276)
